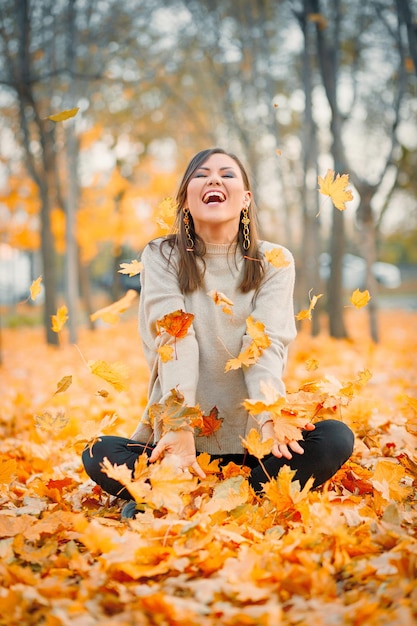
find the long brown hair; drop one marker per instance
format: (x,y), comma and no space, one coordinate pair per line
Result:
(190,272)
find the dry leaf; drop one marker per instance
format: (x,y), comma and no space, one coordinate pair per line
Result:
(132,269)
(359,298)
(174,414)
(111,313)
(255,446)
(276,257)
(251,354)
(175,324)
(166,352)
(63,384)
(63,115)
(335,188)
(116,373)
(36,288)
(306,313)
(221,300)
(58,320)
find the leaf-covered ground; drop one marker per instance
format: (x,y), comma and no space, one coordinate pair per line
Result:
(206,552)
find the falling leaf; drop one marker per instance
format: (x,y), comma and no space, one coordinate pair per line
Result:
(36,288)
(306,313)
(360,298)
(63,115)
(59,319)
(132,269)
(116,373)
(111,313)
(176,323)
(276,257)
(166,215)
(311,364)
(335,188)
(166,352)
(174,413)
(211,423)
(319,19)
(251,354)
(221,300)
(63,384)
(255,446)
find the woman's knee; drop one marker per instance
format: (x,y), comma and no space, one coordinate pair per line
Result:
(336,439)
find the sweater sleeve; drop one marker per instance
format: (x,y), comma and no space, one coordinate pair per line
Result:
(274,307)
(161,295)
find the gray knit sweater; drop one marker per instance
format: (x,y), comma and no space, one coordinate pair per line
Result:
(198,370)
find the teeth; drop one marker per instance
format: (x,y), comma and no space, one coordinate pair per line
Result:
(213,194)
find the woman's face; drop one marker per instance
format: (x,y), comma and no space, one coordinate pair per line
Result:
(216,195)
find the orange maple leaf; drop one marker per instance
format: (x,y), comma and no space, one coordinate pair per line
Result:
(211,423)
(360,298)
(176,323)
(305,314)
(276,257)
(7,471)
(59,319)
(167,211)
(335,188)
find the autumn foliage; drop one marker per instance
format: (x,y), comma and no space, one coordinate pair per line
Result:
(207,551)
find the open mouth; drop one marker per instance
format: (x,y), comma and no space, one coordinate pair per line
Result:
(212,197)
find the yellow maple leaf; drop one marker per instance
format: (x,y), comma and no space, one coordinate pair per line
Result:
(110,313)
(166,352)
(36,288)
(360,298)
(167,211)
(284,492)
(387,480)
(136,483)
(169,483)
(173,413)
(255,446)
(311,364)
(228,494)
(7,470)
(272,404)
(305,314)
(91,432)
(63,115)
(116,374)
(335,188)
(50,422)
(132,269)
(276,257)
(221,300)
(58,320)
(250,355)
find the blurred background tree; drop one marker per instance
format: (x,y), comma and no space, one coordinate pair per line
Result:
(293,86)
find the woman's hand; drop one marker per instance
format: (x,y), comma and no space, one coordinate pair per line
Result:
(283,449)
(181,444)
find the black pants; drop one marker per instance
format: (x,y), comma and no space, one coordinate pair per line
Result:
(326,448)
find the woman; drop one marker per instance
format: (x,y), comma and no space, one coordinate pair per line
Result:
(215,257)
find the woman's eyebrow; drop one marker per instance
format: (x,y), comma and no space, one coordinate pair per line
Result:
(226,167)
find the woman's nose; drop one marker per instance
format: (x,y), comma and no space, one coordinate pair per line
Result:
(213,179)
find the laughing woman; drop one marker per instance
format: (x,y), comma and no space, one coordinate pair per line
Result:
(215,249)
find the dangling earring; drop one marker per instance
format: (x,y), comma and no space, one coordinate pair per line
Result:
(246,232)
(186,220)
